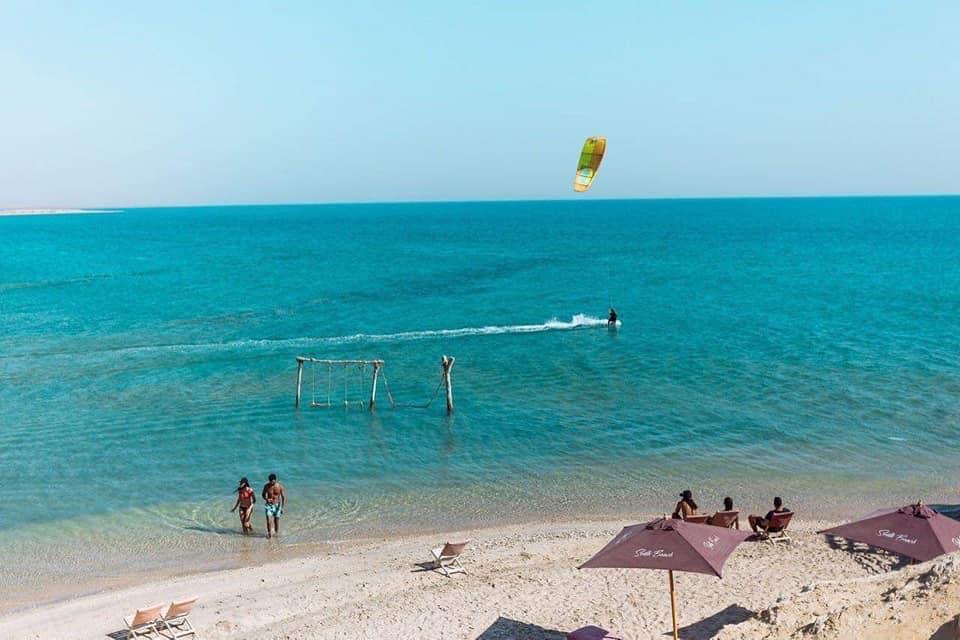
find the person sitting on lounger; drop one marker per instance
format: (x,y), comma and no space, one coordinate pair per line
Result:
(730,513)
(686,507)
(757,523)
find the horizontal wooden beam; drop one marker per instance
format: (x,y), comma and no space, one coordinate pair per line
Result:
(318,361)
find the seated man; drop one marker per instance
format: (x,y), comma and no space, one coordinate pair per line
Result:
(727,509)
(757,523)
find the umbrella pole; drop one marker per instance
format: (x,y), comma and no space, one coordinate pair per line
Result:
(673,604)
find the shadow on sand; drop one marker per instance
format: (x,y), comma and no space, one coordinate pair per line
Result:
(425,566)
(507,629)
(712,625)
(868,556)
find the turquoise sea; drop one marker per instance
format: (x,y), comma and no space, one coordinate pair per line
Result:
(803,347)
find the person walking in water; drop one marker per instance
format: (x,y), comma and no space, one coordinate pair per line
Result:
(276,500)
(245,502)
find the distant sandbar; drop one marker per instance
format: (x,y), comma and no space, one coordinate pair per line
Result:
(50,212)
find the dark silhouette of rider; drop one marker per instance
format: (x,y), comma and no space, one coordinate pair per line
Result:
(612,319)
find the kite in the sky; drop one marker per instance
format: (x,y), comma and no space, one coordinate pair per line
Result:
(590,157)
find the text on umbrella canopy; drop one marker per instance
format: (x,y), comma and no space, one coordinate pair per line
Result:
(899,537)
(652,553)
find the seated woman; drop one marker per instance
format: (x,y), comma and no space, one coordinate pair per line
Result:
(727,517)
(686,507)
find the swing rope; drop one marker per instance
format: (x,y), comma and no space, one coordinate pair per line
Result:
(396,405)
(361,372)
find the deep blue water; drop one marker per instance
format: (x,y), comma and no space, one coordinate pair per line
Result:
(804,346)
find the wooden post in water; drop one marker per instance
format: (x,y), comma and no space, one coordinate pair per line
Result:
(373,385)
(299,379)
(446,362)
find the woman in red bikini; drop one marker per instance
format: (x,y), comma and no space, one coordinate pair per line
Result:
(245,502)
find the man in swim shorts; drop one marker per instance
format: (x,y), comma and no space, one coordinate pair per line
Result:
(274,502)
(757,522)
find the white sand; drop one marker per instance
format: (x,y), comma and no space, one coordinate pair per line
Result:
(523,584)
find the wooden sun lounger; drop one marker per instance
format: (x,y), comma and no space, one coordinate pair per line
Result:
(697,518)
(176,619)
(447,558)
(726,519)
(776,529)
(144,622)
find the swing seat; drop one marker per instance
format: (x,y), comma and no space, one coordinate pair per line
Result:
(365,399)
(345,364)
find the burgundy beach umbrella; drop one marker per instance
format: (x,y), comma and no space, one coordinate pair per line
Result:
(915,531)
(671,545)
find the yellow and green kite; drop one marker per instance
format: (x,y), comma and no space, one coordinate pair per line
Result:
(590,157)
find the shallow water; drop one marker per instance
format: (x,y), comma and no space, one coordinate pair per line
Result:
(806,347)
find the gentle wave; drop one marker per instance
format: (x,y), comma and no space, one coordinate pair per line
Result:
(43,284)
(577,321)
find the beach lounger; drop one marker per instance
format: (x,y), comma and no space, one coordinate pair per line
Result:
(776,530)
(697,518)
(176,620)
(592,633)
(144,621)
(447,558)
(726,519)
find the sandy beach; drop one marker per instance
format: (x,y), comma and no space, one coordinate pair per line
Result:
(522,583)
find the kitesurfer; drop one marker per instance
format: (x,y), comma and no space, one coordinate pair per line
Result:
(612,319)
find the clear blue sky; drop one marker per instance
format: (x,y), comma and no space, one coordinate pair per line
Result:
(135,103)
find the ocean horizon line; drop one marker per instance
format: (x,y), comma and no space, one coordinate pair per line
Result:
(588,198)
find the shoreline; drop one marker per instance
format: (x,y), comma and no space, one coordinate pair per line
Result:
(521,582)
(278,551)
(224,549)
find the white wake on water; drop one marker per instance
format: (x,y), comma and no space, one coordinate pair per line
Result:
(578,321)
